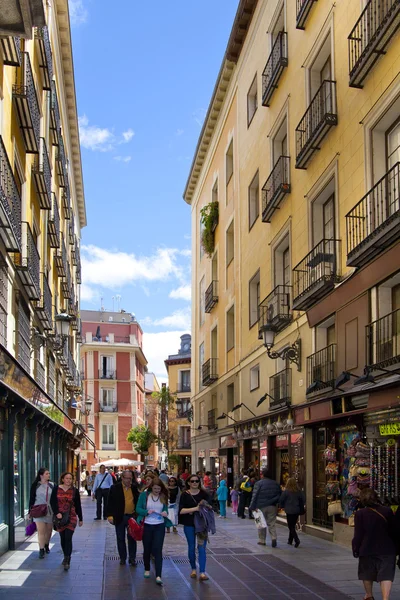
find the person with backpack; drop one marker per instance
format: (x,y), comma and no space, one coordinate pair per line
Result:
(292,501)
(246,490)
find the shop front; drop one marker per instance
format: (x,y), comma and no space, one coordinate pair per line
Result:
(34,432)
(228,459)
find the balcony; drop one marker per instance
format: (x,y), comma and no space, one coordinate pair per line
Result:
(318,119)
(211,296)
(55,119)
(275,188)
(108,407)
(27,263)
(274,310)
(277,61)
(28,107)
(78,273)
(383,341)
(182,413)
(374,223)
(369,37)
(62,354)
(11,47)
(53,224)
(75,252)
(79,336)
(40,376)
(184,445)
(183,387)
(61,163)
(10,204)
(280,388)
(60,258)
(41,172)
(43,307)
(71,232)
(303,8)
(316,275)
(66,287)
(107,374)
(210,371)
(45,58)
(321,369)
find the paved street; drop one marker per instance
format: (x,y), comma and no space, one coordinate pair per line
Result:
(237,567)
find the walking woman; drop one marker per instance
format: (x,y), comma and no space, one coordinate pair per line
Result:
(173,506)
(188,505)
(292,502)
(90,481)
(152,507)
(40,495)
(66,502)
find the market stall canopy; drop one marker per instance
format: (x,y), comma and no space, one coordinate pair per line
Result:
(119,462)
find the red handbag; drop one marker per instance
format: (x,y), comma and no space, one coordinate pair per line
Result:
(135,529)
(40,510)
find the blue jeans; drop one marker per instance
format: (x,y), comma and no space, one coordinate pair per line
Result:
(153,541)
(191,540)
(121,533)
(222,508)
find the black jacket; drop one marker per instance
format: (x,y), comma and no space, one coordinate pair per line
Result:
(116,501)
(32,495)
(266,492)
(76,500)
(374,534)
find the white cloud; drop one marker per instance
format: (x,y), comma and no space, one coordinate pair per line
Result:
(179,132)
(180,319)
(124,159)
(94,138)
(128,135)
(157,347)
(88,294)
(77,12)
(187,252)
(184,292)
(114,269)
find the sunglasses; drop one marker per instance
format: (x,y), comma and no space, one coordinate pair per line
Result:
(194,481)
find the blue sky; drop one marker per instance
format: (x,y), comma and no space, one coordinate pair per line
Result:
(144,74)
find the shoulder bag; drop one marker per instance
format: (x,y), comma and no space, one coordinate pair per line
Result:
(102,481)
(40,510)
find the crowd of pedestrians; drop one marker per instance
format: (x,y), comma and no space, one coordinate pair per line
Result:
(158,502)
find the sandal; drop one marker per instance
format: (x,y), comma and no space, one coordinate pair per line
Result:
(203,577)
(193,574)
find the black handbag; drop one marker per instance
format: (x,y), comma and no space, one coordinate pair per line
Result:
(58,523)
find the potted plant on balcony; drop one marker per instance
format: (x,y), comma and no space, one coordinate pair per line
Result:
(209,218)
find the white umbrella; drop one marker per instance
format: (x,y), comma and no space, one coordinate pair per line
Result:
(106,463)
(126,462)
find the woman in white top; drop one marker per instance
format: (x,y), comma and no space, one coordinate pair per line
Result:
(40,495)
(152,507)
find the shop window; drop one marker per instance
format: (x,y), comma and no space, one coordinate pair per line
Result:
(230,396)
(254,200)
(252,101)
(17,473)
(230,244)
(320,501)
(230,329)
(254,377)
(254,298)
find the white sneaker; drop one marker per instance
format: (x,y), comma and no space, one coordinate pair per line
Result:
(219,516)
(233,513)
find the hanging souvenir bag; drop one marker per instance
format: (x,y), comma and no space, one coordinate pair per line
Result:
(332,468)
(363,462)
(353,490)
(351,451)
(334,508)
(332,487)
(330,453)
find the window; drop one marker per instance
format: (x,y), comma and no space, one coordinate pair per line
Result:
(254,200)
(282,262)
(183,437)
(201,362)
(214,195)
(201,237)
(230,244)
(3,301)
(280,143)
(229,164)
(184,381)
(51,377)
(254,298)
(230,329)
(23,336)
(252,101)
(323,214)
(202,301)
(182,407)
(107,400)
(254,377)
(321,68)
(202,412)
(108,431)
(107,367)
(214,342)
(230,396)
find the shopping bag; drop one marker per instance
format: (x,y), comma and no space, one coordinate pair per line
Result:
(259,519)
(30,529)
(135,529)
(172,514)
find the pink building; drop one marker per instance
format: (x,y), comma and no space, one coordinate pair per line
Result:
(112,371)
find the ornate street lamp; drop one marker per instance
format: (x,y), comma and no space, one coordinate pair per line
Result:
(291,353)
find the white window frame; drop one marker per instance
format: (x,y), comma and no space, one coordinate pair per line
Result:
(255,377)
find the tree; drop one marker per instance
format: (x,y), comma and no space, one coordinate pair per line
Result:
(165,400)
(173,460)
(142,438)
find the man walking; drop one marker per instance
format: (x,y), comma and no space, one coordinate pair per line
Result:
(102,484)
(266,494)
(121,507)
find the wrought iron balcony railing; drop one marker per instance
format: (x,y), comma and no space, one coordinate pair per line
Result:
(321,368)
(374,222)
(107,374)
(11,47)
(66,286)
(211,296)
(43,307)
(316,274)
(10,204)
(210,371)
(53,223)
(383,341)
(78,273)
(182,413)
(61,162)
(27,263)
(369,37)
(183,387)
(60,258)
(45,58)
(71,232)
(303,8)
(275,188)
(318,119)
(27,105)
(277,61)
(42,175)
(66,202)
(55,119)
(108,407)
(62,354)
(40,376)
(79,336)
(74,252)
(274,310)
(280,388)
(184,445)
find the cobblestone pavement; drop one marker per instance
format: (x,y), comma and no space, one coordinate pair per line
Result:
(236,565)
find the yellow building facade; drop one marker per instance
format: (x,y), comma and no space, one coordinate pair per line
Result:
(42,211)
(298,295)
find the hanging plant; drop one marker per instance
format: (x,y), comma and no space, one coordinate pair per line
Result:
(209,219)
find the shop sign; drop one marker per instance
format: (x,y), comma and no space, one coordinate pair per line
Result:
(282,441)
(254,444)
(227,441)
(390,429)
(201,454)
(214,453)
